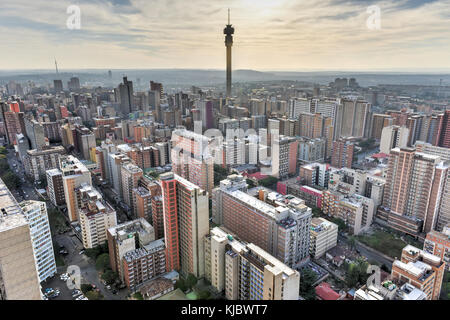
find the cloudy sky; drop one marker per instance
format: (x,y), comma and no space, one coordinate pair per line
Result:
(291,35)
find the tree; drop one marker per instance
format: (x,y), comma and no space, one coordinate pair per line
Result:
(308,278)
(268,182)
(86,288)
(3,150)
(204,295)
(250,183)
(138,296)
(181,284)
(110,276)
(352,243)
(191,280)
(11,180)
(93,295)
(102,262)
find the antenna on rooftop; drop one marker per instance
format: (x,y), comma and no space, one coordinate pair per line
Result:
(228,15)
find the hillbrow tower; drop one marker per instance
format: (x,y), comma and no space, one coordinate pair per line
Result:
(228,31)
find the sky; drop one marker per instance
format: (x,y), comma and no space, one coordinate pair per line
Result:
(284,35)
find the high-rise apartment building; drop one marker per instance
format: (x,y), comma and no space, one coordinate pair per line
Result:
(444,134)
(393,137)
(19,279)
(35,213)
(145,263)
(246,272)
(412,194)
(130,179)
(438,244)
(278,224)
(380,121)
(352,118)
(342,154)
(186,222)
(74,175)
(37,162)
(192,158)
(127,237)
(55,187)
(420,269)
(324,236)
(96,216)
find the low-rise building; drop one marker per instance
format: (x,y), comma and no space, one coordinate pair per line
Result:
(323,237)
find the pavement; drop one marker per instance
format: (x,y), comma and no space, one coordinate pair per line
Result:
(87,268)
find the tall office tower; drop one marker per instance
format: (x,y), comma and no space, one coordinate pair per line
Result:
(206,112)
(130,178)
(421,269)
(154,100)
(393,137)
(35,213)
(96,216)
(126,96)
(245,271)
(438,244)
(192,158)
(258,122)
(35,133)
(37,162)
(257,107)
(280,225)
(19,279)
(229,31)
(55,187)
(324,236)
(74,175)
(74,84)
(444,137)
(127,237)
(342,154)
(186,222)
(58,86)
(380,121)
(299,105)
(413,191)
(352,118)
(327,134)
(143,264)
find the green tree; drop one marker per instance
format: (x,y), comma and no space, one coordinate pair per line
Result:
(308,278)
(110,277)
(268,182)
(250,183)
(11,180)
(86,288)
(181,284)
(352,243)
(204,295)
(191,280)
(138,296)
(93,295)
(3,150)
(102,262)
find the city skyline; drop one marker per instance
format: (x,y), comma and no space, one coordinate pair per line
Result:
(275,35)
